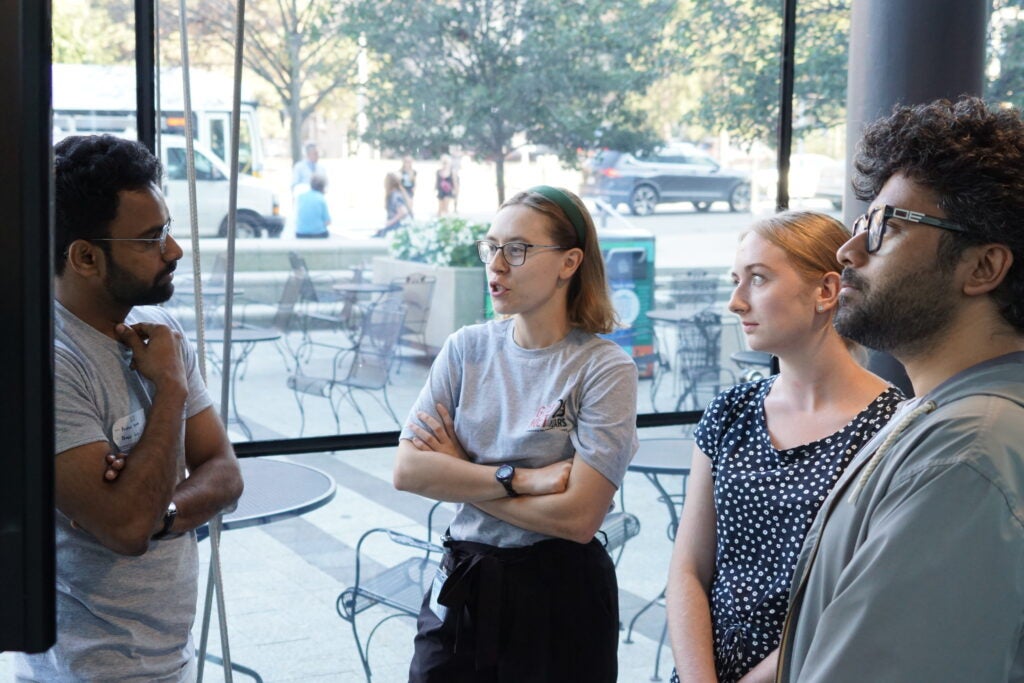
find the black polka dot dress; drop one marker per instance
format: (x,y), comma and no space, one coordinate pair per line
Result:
(765,501)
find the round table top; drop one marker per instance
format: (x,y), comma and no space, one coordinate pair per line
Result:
(669,455)
(188,288)
(364,287)
(278,489)
(749,357)
(241,335)
(670,315)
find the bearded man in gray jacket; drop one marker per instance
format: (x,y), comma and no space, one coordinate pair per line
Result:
(914,567)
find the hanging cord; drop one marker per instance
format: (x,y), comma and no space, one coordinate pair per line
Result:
(214,578)
(876,459)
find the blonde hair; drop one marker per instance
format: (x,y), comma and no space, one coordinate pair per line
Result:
(810,240)
(588,303)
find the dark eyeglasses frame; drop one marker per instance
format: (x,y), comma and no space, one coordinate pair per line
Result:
(161,240)
(487,250)
(876,231)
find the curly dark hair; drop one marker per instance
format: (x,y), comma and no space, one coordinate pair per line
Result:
(972,157)
(89,172)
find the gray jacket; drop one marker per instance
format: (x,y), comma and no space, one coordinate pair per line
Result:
(915,572)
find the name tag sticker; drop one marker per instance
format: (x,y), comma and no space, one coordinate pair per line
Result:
(437,608)
(128,430)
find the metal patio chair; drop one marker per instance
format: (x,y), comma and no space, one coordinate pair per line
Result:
(401,587)
(698,360)
(365,367)
(416,292)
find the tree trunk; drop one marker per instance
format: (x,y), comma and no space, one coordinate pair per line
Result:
(295,113)
(499,173)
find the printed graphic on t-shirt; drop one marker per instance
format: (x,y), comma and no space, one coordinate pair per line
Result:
(128,430)
(551,416)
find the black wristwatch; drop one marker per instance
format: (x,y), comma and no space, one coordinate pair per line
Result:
(169,517)
(504,475)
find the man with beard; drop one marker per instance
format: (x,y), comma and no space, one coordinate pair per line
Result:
(141,457)
(914,567)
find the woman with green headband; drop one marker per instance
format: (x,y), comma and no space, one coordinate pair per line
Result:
(529,422)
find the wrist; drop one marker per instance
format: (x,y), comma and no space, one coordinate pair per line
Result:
(166,528)
(171,388)
(505,475)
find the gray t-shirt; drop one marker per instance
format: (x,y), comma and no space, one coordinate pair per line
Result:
(531,408)
(119,618)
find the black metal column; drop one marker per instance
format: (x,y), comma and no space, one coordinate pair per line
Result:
(27,572)
(145,70)
(908,52)
(786,83)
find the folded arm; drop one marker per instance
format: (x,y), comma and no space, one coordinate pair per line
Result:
(123,514)
(214,482)
(434,464)
(124,511)
(574,514)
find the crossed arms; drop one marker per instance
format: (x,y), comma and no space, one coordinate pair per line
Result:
(567,499)
(124,511)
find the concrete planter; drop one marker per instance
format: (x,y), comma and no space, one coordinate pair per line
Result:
(459,295)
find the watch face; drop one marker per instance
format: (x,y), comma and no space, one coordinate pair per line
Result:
(504,472)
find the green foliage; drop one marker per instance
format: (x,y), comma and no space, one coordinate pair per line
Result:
(1007,46)
(76,39)
(733,48)
(443,241)
(300,49)
(481,73)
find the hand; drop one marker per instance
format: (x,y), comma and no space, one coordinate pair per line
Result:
(440,435)
(553,478)
(156,352)
(115,463)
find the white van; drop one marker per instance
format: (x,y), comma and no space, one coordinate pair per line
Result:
(95,98)
(258,210)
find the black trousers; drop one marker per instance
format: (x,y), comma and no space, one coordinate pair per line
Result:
(548,613)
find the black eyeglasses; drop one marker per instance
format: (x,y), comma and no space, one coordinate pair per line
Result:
(149,241)
(514,253)
(874,223)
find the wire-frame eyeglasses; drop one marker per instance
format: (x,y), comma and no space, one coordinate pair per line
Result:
(514,253)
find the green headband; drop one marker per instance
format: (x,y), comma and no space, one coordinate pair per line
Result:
(572,212)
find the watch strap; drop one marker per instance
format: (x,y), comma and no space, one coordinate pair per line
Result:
(169,516)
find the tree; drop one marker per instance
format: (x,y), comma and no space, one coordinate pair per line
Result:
(733,47)
(76,40)
(299,47)
(485,73)
(1006,47)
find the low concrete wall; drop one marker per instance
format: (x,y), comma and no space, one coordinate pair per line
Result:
(333,253)
(458,295)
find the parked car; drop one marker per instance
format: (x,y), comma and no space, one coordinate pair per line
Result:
(675,173)
(258,209)
(811,176)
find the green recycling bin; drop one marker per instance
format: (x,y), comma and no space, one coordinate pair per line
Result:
(629,266)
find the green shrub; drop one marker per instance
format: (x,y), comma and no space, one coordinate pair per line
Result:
(444,241)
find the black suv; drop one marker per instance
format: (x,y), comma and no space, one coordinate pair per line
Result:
(677,173)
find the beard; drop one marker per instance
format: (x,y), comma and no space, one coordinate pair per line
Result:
(128,290)
(902,315)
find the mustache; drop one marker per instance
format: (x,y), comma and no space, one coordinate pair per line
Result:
(171,267)
(851,278)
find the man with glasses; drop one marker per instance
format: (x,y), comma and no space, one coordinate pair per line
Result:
(141,457)
(914,567)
